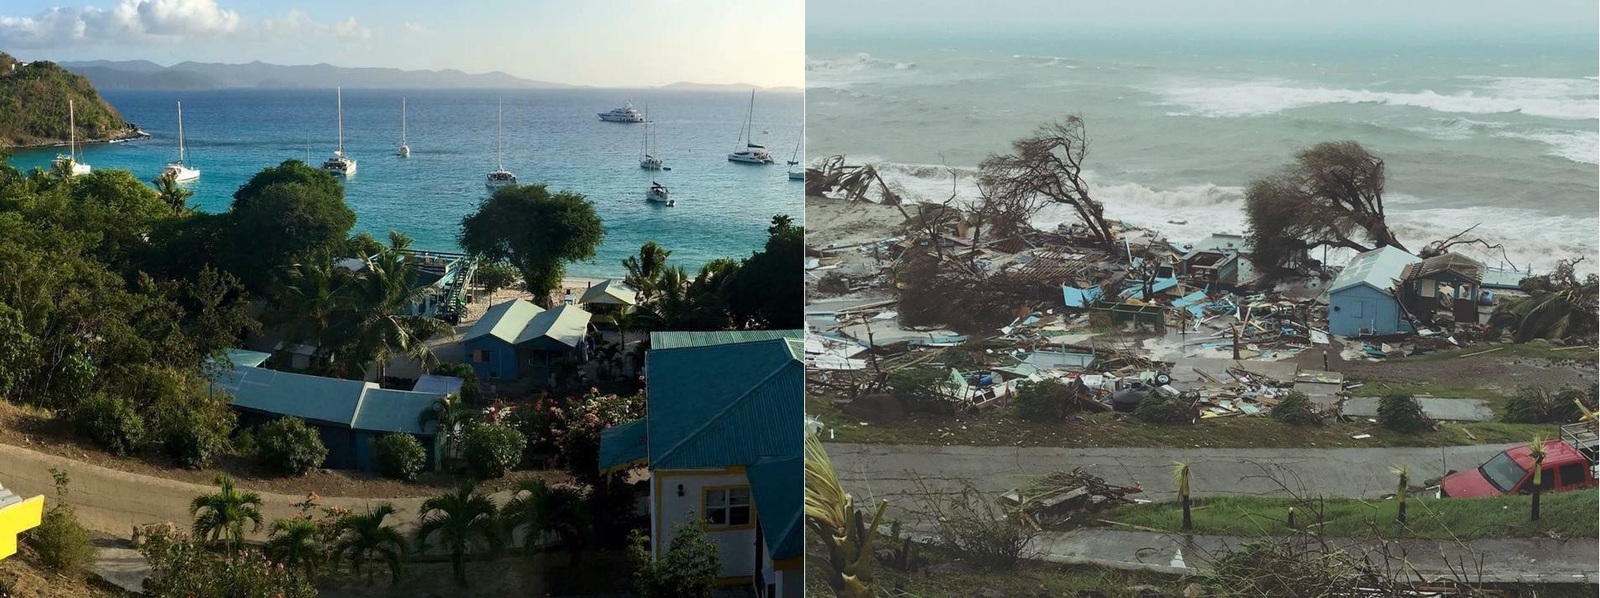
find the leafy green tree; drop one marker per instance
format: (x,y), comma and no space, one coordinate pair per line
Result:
(307,302)
(286,214)
(688,568)
(492,449)
(223,515)
(495,276)
(63,544)
(364,537)
(464,523)
(470,394)
(535,231)
(174,195)
(112,421)
(294,544)
(644,270)
(400,456)
(767,290)
(379,321)
(290,446)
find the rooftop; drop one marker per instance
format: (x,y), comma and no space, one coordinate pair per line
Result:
(1378,268)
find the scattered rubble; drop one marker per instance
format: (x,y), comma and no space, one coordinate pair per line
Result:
(1049,501)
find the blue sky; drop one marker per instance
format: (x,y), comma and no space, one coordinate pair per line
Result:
(610,42)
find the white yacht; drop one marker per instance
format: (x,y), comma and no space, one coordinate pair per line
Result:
(648,159)
(405,150)
(747,152)
(180,172)
(76,166)
(794,161)
(500,177)
(339,163)
(658,194)
(625,114)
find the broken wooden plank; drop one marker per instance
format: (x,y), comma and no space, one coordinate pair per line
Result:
(1482,352)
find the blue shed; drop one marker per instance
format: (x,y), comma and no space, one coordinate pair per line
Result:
(1361,301)
(518,339)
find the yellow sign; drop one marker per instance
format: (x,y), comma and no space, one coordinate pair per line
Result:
(16,518)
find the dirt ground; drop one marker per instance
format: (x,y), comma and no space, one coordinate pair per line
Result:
(24,577)
(831,222)
(1490,369)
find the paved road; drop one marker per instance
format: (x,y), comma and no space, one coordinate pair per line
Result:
(890,471)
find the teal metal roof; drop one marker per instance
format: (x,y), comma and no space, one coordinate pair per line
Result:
(622,444)
(359,405)
(565,325)
(610,292)
(1377,268)
(722,405)
(504,321)
(777,486)
(680,339)
(247,357)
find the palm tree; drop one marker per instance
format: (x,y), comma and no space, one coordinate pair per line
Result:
(464,522)
(381,324)
(671,307)
(1404,472)
(294,545)
(645,269)
(451,415)
(309,302)
(1536,450)
(1558,305)
(223,515)
(538,509)
(364,537)
(1180,477)
(832,516)
(174,195)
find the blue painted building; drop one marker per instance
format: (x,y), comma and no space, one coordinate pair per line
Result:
(1361,301)
(518,339)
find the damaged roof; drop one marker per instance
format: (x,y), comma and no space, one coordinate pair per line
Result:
(1377,268)
(1463,266)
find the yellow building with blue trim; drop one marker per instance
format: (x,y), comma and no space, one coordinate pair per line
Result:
(17,515)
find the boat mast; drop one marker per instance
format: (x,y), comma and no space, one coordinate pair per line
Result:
(339,97)
(180,133)
(402,120)
(645,145)
(499,133)
(749,120)
(72,133)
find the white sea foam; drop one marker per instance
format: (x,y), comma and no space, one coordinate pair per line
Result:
(860,62)
(1567,99)
(1531,238)
(1582,147)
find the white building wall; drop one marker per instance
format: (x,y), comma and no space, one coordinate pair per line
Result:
(736,547)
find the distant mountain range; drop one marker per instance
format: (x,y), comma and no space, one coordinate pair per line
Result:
(143,74)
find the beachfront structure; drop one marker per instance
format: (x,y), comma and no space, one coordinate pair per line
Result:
(608,295)
(721,439)
(348,415)
(517,339)
(1445,284)
(1361,301)
(17,515)
(1221,260)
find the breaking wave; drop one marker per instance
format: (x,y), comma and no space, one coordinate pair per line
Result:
(1582,147)
(1566,99)
(860,62)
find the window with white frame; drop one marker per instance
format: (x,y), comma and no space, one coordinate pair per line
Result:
(727,506)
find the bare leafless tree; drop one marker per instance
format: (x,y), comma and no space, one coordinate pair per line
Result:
(1046,166)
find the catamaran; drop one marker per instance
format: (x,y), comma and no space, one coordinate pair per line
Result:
(180,172)
(748,152)
(339,163)
(405,150)
(649,161)
(658,194)
(794,160)
(75,167)
(500,177)
(625,114)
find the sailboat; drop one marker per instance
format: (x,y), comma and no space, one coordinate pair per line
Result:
(71,161)
(500,177)
(405,150)
(794,160)
(339,163)
(648,160)
(658,194)
(180,172)
(747,151)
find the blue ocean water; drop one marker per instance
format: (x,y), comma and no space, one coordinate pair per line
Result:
(551,136)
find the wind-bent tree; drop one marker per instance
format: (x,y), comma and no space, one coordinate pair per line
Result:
(644,270)
(223,515)
(1047,166)
(380,323)
(535,231)
(1331,196)
(294,545)
(174,195)
(463,522)
(364,537)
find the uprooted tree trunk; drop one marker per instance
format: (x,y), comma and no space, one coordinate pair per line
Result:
(1048,164)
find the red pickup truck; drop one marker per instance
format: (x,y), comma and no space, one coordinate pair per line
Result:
(1569,464)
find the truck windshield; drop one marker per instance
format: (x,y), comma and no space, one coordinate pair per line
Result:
(1503,472)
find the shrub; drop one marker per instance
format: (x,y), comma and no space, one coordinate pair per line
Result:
(688,569)
(197,435)
(833,283)
(469,380)
(1401,413)
(1296,410)
(1158,409)
(922,389)
(399,456)
(290,446)
(63,544)
(1049,400)
(244,444)
(496,276)
(1537,405)
(493,449)
(181,567)
(113,423)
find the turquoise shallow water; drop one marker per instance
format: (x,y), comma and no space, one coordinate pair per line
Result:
(551,136)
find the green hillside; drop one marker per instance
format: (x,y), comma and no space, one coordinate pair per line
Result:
(33,106)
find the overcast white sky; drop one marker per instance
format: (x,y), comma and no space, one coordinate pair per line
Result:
(1223,17)
(609,42)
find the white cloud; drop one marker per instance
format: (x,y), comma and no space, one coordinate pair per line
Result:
(158,21)
(418,30)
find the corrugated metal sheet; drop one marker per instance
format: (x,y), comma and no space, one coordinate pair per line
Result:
(383,410)
(441,385)
(777,485)
(505,321)
(329,400)
(622,444)
(1378,268)
(721,405)
(681,339)
(565,325)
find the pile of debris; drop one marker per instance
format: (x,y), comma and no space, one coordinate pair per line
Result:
(1052,499)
